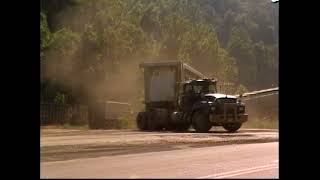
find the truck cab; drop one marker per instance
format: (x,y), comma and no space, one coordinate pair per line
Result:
(192,91)
(204,107)
(178,96)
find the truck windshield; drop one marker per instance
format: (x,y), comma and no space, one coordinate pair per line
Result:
(212,88)
(205,88)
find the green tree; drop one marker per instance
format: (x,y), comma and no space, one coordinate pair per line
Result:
(45,34)
(87,43)
(240,46)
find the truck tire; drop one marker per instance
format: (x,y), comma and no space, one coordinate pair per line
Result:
(182,127)
(152,121)
(170,127)
(142,121)
(200,122)
(232,127)
(184,124)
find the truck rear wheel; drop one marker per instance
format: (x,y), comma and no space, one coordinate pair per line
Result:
(200,122)
(170,127)
(153,124)
(142,121)
(182,127)
(232,127)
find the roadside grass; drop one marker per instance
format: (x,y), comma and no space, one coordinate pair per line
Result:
(126,123)
(66,126)
(261,123)
(121,123)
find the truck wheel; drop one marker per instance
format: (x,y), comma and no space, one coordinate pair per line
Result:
(200,122)
(182,127)
(142,121)
(232,127)
(152,122)
(170,127)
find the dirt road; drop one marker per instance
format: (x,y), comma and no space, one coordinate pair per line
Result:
(228,161)
(60,144)
(56,137)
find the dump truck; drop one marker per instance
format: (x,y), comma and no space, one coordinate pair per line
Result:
(177,97)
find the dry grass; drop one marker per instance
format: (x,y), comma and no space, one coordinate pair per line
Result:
(122,123)
(65,126)
(130,123)
(126,123)
(260,123)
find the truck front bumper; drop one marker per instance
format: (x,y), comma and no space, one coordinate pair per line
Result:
(228,118)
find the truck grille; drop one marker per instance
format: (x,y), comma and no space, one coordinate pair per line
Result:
(228,108)
(227,100)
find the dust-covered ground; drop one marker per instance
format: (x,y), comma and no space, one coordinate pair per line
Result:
(65,144)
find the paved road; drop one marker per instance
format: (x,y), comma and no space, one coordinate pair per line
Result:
(60,137)
(229,161)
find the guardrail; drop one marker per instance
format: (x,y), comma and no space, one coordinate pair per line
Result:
(107,114)
(52,113)
(258,94)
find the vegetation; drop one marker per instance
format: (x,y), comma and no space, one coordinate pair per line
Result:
(66,126)
(262,123)
(86,44)
(126,123)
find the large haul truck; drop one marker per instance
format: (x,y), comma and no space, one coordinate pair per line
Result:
(178,96)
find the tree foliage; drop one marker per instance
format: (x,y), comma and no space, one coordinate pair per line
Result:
(88,42)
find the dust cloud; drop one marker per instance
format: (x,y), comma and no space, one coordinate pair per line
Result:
(116,81)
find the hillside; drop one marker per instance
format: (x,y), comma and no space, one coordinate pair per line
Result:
(91,49)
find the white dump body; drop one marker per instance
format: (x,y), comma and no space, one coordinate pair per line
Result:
(161,79)
(162,84)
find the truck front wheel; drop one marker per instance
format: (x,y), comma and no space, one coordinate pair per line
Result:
(200,122)
(232,127)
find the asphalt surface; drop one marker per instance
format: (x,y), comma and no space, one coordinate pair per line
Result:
(63,137)
(258,160)
(66,144)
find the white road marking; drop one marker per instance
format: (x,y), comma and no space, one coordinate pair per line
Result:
(134,177)
(238,172)
(248,172)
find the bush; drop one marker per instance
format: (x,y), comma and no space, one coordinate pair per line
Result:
(262,123)
(60,98)
(126,122)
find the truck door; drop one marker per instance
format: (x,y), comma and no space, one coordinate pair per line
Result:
(187,97)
